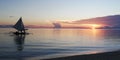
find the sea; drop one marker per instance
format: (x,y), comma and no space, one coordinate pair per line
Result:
(52,43)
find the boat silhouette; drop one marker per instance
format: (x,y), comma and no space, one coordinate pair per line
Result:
(19,26)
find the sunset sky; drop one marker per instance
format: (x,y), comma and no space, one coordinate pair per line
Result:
(43,12)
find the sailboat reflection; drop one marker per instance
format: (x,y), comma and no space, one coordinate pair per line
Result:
(19,41)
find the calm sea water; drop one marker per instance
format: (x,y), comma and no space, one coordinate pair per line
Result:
(51,43)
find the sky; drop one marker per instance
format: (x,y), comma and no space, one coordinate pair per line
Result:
(39,11)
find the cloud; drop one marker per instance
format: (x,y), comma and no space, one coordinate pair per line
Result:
(11,16)
(57,25)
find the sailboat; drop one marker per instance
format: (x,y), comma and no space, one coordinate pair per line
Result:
(19,26)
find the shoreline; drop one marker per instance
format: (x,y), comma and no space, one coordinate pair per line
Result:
(114,55)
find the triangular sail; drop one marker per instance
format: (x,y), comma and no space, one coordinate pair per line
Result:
(19,25)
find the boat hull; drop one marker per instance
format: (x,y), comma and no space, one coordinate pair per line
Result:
(17,33)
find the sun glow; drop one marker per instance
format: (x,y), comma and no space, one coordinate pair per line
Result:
(94,26)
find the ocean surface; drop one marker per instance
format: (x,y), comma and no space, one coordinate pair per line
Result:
(52,43)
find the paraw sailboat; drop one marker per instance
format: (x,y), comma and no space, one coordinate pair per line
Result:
(19,26)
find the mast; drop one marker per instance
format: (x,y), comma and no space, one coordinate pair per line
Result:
(19,25)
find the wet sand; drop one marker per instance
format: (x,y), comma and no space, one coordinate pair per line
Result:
(100,56)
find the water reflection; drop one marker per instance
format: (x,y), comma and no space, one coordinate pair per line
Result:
(112,34)
(58,42)
(19,41)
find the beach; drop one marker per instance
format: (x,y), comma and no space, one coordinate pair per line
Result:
(100,56)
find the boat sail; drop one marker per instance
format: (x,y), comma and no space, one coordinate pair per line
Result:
(20,27)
